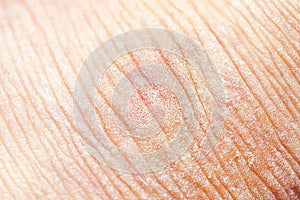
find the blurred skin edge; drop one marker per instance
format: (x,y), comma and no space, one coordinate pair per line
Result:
(31,40)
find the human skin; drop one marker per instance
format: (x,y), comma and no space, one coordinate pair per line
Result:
(255,46)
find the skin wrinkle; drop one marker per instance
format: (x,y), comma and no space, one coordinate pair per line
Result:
(126,184)
(227,54)
(247,186)
(154,174)
(23,130)
(70,176)
(98,180)
(190,179)
(287,108)
(261,60)
(179,24)
(108,103)
(51,114)
(108,195)
(282,31)
(32,104)
(201,101)
(246,161)
(288,18)
(283,57)
(113,184)
(123,180)
(200,126)
(163,185)
(218,178)
(246,83)
(265,90)
(31,82)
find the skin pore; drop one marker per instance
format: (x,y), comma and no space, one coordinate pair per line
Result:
(255,46)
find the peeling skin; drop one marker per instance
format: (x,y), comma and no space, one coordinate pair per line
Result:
(254,45)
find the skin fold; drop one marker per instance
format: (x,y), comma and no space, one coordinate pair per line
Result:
(255,46)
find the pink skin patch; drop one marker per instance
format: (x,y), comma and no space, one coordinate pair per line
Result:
(146,109)
(154,103)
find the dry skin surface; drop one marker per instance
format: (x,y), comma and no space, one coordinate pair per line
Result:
(255,45)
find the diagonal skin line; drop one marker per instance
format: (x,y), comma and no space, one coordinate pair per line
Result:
(119,177)
(213,152)
(220,41)
(289,42)
(58,126)
(116,175)
(218,158)
(265,45)
(20,125)
(157,17)
(288,18)
(257,139)
(275,65)
(53,119)
(121,180)
(271,121)
(283,57)
(109,178)
(239,74)
(162,22)
(49,115)
(233,127)
(121,193)
(274,104)
(293,116)
(194,30)
(200,126)
(190,179)
(79,40)
(265,89)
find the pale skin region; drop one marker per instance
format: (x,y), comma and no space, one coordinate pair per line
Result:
(254,45)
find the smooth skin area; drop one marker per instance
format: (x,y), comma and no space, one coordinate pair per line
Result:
(255,45)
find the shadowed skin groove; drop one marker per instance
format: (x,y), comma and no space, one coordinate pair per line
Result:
(190,179)
(286,62)
(164,187)
(112,109)
(52,118)
(163,23)
(57,124)
(117,186)
(165,26)
(20,125)
(236,66)
(262,61)
(272,101)
(241,176)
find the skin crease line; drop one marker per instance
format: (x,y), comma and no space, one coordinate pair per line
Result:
(255,47)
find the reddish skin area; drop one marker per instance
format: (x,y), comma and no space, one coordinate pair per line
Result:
(253,44)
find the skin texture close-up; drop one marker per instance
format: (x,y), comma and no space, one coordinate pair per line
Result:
(254,46)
